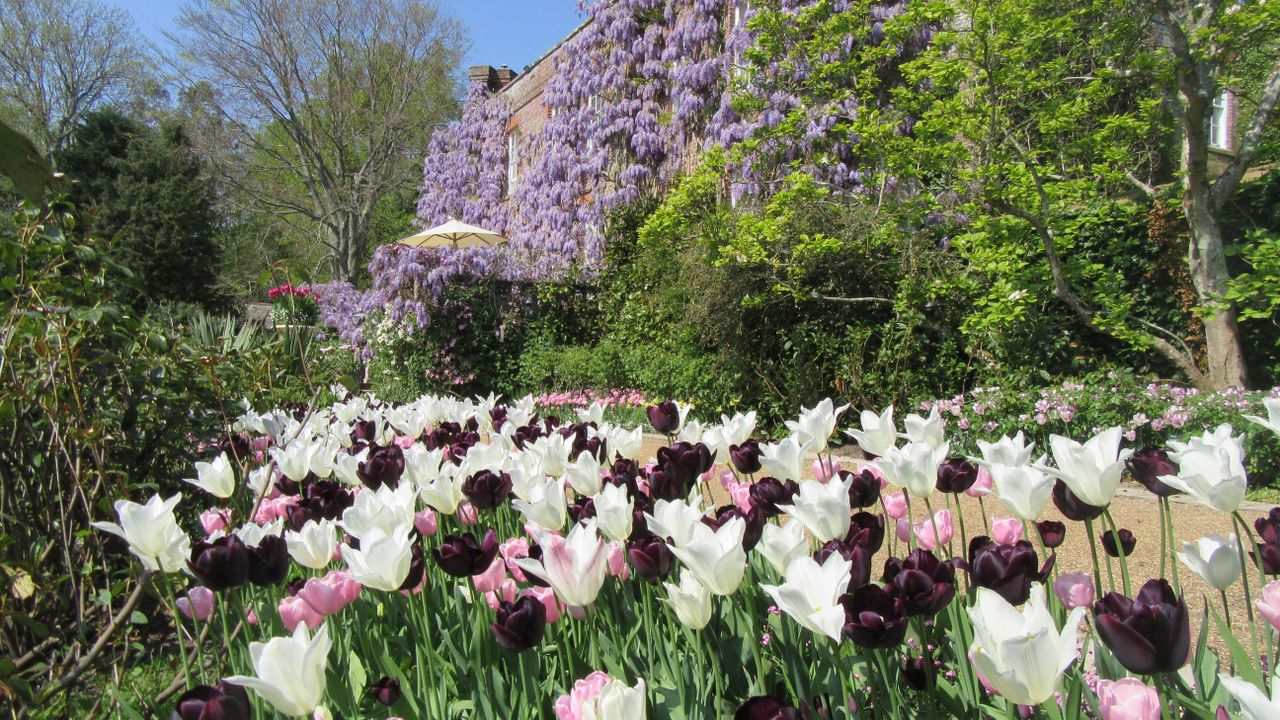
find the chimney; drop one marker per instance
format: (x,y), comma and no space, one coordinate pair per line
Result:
(493,78)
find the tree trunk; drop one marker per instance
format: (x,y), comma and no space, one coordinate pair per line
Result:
(1208,266)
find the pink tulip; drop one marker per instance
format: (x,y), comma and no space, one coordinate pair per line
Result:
(294,610)
(727,477)
(491,579)
(547,597)
(1128,699)
(405,442)
(341,579)
(618,561)
(1006,530)
(864,465)
(982,486)
(323,597)
(260,443)
(425,522)
(902,529)
(199,601)
(213,520)
(505,593)
(271,508)
(708,476)
(740,494)
(824,469)
(250,616)
(573,706)
(941,523)
(1269,604)
(1074,589)
(895,504)
(467,514)
(513,550)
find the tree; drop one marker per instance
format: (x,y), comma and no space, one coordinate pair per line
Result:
(146,195)
(59,59)
(328,105)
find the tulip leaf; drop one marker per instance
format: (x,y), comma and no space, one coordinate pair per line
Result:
(356,675)
(1246,667)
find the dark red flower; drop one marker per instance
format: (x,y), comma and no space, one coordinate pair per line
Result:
(1071,506)
(664,417)
(1052,533)
(1147,465)
(746,457)
(520,625)
(383,466)
(924,583)
(385,690)
(463,556)
(864,488)
(269,561)
(220,564)
(768,493)
(874,617)
(651,558)
(486,489)
(956,475)
(1007,569)
(1122,548)
(1149,634)
(223,701)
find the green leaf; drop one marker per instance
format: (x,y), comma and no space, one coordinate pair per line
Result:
(22,163)
(356,675)
(137,618)
(1246,668)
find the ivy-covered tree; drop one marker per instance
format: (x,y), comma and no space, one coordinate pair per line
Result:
(148,198)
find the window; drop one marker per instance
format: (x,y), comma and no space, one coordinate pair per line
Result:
(1220,123)
(513,160)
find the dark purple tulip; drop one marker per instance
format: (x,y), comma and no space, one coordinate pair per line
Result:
(417,568)
(746,457)
(913,673)
(956,475)
(236,446)
(1052,533)
(498,416)
(1147,465)
(383,466)
(1122,548)
(874,618)
(223,701)
(651,558)
(754,520)
(1269,555)
(269,561)
(520,625)
(582,507)
(1007,569)
(486,489)
(664,487)
(763,707)
(864,488)
(924,583)
(1149,634)
(768,493)
(664,417)
(1071,506)
(462,556)
(858,556)
(221,564)
(386,691)
(363,431)
(327,499)
(298,515)
(685,462)
(294,586)
(1269,527)
(866,530)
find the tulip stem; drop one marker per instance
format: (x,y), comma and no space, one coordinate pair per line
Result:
(1167,519)
(177,626)
(1093,551)
(1124,558)
(1244,578)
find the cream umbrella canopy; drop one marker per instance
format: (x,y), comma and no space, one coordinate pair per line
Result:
(453,234)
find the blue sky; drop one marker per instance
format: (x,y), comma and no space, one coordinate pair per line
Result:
(510,32)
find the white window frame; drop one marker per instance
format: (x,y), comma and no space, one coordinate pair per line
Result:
(513,160)
(1219,125)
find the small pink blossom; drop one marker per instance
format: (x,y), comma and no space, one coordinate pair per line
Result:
(1269,604)
(491,579)
(1074,589)
(506,593)
(895,504)
(425,522)
(467,514)
(547,597)
(824,469)
(981,486)
(577,704)
(294,610)
(213,520)
(1128,699)
(618,561)
(925,529)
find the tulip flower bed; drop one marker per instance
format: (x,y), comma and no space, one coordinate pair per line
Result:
(453,558)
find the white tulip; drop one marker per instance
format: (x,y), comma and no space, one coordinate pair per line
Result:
(261,481)
(878,432)
(554,451)
(930,431)
(1021,654)
(614,508)
(1211,469)
(421,466)
(1093,469)
(216,478)
(152,533)
(383,560)
(1272,421)
(294,460)
(914,466)
(546,507)
(674,520)
(314,545)
(444,493)
(617,701)
(575,566)
(823,508)
(784,460)
(780,544)
(1214,558)
(816,424)
(383,509)
(290,670)
(622,442)
(1254,704)
(691,431)
(593,413)
(346,467)
(716,557)
(690,600)
(811,593)
(583,474)
(1012,451)
(1024,489)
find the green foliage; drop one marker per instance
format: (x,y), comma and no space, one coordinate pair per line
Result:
(150,200)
